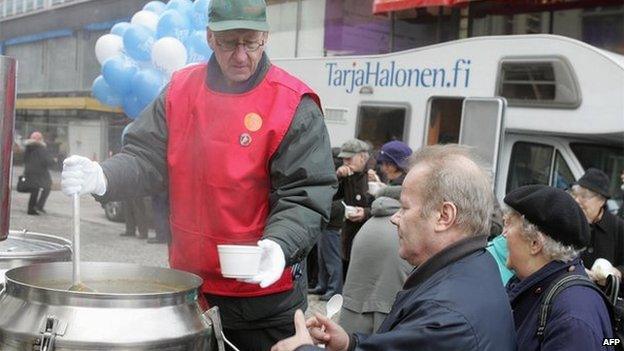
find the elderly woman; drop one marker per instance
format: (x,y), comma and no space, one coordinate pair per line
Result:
(545,232)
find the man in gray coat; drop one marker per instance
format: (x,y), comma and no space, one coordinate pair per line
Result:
(376,273)
(454,300)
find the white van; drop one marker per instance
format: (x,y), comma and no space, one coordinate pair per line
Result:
(540,108)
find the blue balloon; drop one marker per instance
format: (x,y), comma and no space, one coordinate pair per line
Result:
(120,28)
(138,42)
(200,14)
(173,24)
(104,93)
(197,47)
(132,106)
(185,7)
(147,84)
(156,7)
(118,72)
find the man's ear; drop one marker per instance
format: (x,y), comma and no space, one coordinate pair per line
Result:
(447,216)
(210,39)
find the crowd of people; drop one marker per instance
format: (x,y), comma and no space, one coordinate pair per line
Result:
(441,285)
(241,149)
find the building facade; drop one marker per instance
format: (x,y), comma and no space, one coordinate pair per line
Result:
(54,42)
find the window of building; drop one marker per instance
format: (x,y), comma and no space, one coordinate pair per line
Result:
(603,27)
(379,124)
(530,164)
(8,7)
(538,82)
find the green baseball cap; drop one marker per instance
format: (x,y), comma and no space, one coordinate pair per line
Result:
(352,147)
(237,14)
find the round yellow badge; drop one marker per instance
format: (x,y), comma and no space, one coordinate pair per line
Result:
(253,122)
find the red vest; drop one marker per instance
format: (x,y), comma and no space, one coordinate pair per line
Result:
(219,152)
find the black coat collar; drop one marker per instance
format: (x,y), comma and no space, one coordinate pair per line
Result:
(444,258)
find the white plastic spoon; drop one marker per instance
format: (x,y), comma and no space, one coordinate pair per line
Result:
(331,308)
(333,305)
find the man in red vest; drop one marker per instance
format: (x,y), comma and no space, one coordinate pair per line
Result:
(243,150)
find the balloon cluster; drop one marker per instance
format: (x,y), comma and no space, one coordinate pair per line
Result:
(139,57)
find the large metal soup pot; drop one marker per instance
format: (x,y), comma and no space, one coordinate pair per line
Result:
(132,308)
(22,248)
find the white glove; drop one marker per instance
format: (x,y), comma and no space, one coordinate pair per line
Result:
(82,176)
(272,263)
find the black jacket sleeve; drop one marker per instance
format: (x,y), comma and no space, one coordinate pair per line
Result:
(303,182)
(140,168)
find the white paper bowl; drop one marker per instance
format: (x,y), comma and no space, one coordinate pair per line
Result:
(601,268)
(349,211)
(239,261)
(375,187)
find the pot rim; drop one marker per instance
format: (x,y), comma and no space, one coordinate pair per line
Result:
(17,285)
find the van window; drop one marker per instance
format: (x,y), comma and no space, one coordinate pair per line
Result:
(444,120)
(538,82)
(609,159)
(530,164)
(378,124)
(562,176)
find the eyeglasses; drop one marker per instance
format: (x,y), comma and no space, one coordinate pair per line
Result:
(231,45)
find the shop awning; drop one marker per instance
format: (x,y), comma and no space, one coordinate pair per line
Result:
(494,6)
(63,103)
(380,6)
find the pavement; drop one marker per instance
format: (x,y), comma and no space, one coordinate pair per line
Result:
(100,240)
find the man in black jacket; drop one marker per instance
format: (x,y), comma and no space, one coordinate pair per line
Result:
(37,161)
(606,241)
(353,190)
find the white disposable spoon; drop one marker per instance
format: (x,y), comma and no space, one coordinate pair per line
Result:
(333,306)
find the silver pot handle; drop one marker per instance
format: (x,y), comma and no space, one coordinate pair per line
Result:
(213,320)
(51,327)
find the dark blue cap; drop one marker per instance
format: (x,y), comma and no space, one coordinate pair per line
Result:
(396,152)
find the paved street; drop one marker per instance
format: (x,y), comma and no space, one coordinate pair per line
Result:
(100,237)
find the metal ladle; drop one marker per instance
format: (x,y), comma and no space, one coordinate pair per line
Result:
(77,284)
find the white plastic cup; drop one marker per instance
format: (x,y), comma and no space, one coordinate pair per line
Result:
(601,268)
(375,187)
(239,261)
(350,211)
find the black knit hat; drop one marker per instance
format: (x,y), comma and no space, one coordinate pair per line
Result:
(596,181)
(553,211)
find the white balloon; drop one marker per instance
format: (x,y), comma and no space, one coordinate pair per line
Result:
(168,55)
(147,19)
(107,46)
